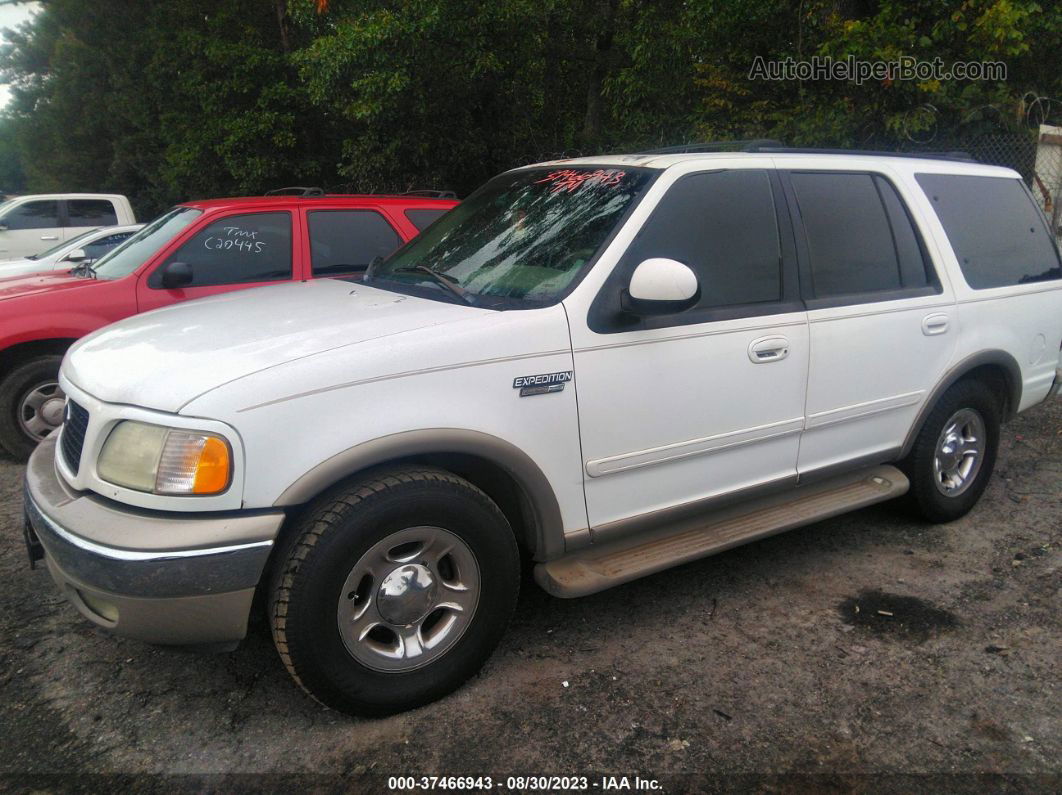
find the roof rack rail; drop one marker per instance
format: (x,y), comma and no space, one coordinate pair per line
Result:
(770,146)
(296,190)
(431,194)
(798,150)
(748,145)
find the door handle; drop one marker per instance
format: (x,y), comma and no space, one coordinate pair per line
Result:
(49,237)
(768,349)
(934,324)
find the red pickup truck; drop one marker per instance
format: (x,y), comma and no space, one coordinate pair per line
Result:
(196,249)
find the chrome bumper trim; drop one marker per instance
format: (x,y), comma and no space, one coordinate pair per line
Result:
(37,516)
(175,573)
(147,561)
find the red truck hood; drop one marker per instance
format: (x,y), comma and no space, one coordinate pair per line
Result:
(17,286)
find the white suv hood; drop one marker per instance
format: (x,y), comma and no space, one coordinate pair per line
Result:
(166,358)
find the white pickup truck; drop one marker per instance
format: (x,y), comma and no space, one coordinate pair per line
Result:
(32,224)
(608,366)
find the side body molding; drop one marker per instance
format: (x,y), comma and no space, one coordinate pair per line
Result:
(1000,359)
(548,531)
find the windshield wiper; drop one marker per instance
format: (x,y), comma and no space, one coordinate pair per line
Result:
(371,267)
(447,282)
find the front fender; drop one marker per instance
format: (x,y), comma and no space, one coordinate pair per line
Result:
(549,527)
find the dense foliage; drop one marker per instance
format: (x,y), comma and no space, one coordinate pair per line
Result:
(169,99)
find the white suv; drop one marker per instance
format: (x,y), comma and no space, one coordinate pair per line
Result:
(32,224)
(609,366)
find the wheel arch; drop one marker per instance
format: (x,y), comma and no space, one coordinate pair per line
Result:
(998,369)
(504,472)
(14,355)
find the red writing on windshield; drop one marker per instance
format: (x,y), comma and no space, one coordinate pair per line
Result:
(570,180)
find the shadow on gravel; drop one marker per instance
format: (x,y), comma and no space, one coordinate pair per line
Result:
(889,614)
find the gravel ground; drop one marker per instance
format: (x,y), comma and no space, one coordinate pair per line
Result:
(750,670)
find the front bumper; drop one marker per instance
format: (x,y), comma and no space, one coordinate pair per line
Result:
(125,570)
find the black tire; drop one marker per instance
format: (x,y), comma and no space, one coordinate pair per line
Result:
(13,388)
(329,541)
(925,496)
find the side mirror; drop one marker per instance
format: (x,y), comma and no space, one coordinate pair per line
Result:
(77,255)
(176,274)
(661,286)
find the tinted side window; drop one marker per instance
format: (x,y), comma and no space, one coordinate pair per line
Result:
(995,229)
(342,241)
(33,215)
(239,248)
(848,235)
(722,224)
(422,219)
(90,212)
(98,248)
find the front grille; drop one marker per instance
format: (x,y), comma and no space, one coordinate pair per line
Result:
(73,437)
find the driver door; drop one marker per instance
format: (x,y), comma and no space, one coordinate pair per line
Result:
(675,410)
(233,252)
(30,228)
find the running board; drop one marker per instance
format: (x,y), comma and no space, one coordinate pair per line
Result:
(597,568)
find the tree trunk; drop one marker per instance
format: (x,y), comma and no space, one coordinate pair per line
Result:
(599,71)
(282,21)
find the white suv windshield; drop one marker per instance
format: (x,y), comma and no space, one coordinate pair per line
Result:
(135,251)
(520,241)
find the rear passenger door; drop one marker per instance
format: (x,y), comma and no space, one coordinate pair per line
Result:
(881,318)
(345,241)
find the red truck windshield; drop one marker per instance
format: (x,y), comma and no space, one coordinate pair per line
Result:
(139,248)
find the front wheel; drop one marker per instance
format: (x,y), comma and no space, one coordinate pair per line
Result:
(954,453)
(31,405)
(392,591)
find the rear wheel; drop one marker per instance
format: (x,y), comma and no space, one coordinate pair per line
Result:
(955,452)
(31,405)
(392,591)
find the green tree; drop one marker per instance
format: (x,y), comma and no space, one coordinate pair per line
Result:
(161,100)
(184,98)
(12,178)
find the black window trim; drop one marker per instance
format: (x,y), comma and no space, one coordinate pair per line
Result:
(354,271)
(807,292)
(605,317)
(154,280)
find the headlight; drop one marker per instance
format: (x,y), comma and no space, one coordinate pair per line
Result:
(162,460)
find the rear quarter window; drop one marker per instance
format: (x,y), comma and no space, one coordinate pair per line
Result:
(996,231)
(423,218)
